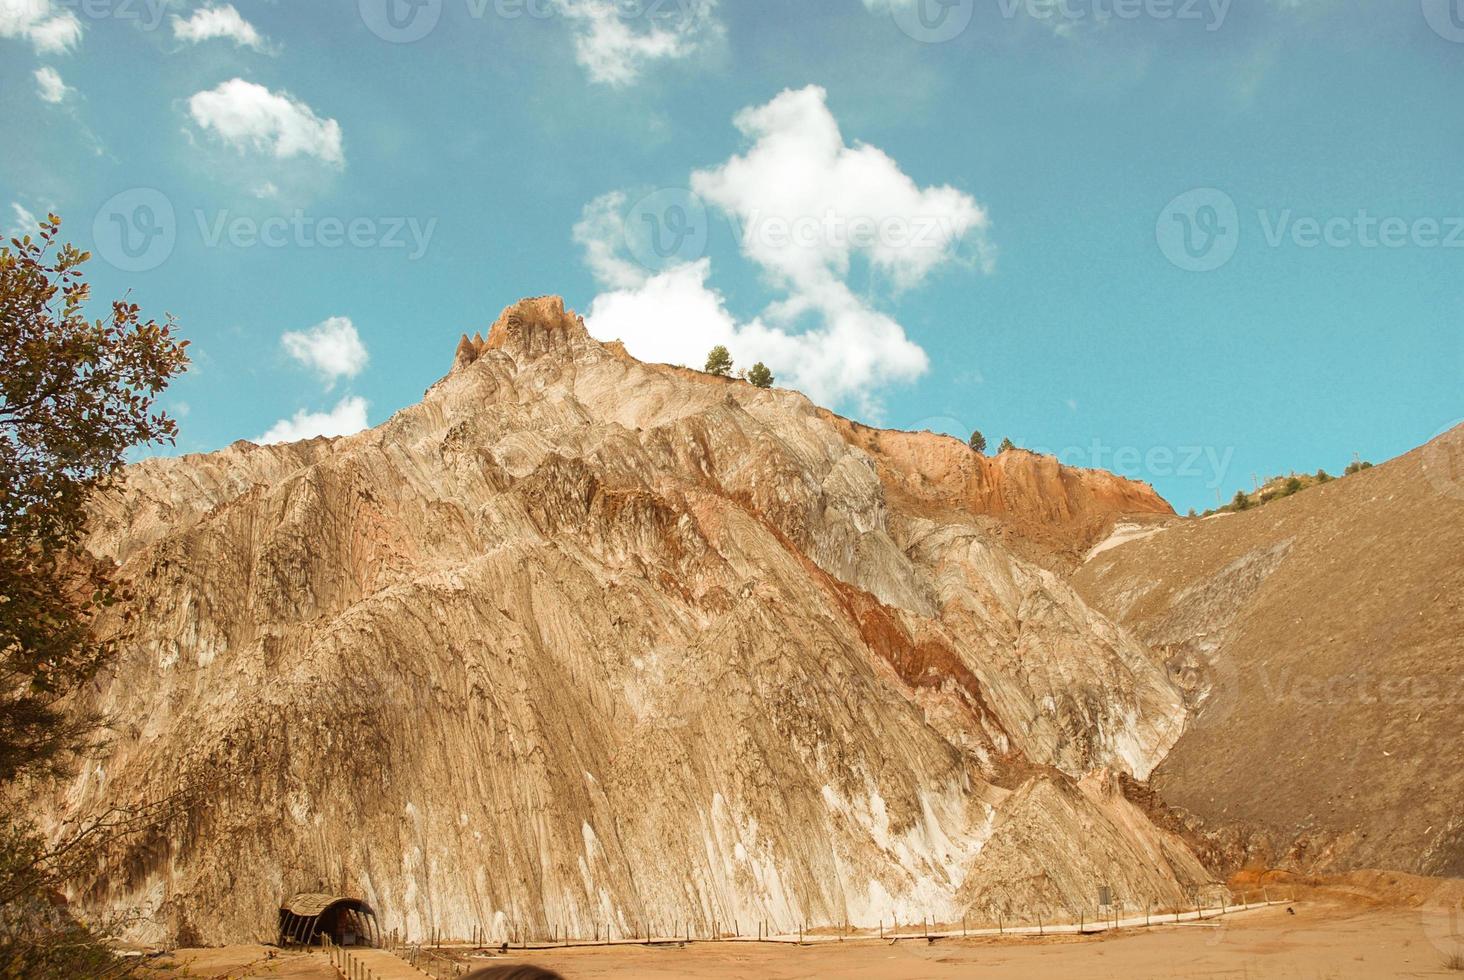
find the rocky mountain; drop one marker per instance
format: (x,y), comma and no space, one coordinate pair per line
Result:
(579,640)
(1320,640)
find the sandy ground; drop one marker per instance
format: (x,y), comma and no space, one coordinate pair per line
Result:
(239,962)
(1322,941)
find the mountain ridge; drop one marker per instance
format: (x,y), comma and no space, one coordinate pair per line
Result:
(580,640)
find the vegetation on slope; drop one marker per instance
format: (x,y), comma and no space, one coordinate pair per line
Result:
(75,396)
(1283,486)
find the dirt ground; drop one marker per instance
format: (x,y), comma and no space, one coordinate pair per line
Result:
(1323,940)
(241,962)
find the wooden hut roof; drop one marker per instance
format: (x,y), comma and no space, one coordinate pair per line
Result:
(310,904)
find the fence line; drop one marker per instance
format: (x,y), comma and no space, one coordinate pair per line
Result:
(1036,923)
(370,963)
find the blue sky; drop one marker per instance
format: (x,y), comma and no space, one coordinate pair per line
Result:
(1188,242)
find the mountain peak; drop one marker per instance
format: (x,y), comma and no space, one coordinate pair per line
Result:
(529,328)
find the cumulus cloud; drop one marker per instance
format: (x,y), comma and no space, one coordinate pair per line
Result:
(331,348)
(347,418)
(219,22)
(807,205)
(675,317)
(48,27)
(615,42)
(49,85)
(248,116)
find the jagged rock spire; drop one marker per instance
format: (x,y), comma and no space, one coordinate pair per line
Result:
(529,328)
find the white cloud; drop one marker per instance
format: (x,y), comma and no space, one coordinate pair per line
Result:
(807,206)
(49,29)
(847,200)
(615,42)
(671,318)
(332,349)
(250,116)
(601,232)
(49,85)
(221,22)
(675,317)
(347,418)
(25,222)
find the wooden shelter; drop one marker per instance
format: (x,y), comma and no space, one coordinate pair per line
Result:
(347,921)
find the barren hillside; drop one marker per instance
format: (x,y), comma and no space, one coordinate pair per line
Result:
(1322,639)
(578,640)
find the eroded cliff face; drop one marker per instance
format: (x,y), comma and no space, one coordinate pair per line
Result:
(580,640)
(1049,513)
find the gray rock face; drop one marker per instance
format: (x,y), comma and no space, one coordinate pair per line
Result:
(581,641)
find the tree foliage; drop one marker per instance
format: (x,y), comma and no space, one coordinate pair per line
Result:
(39,936)
(760,376)
(75,395)
(719,361)
(977,442)
(1006,446)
